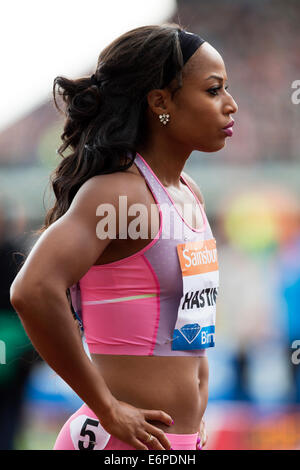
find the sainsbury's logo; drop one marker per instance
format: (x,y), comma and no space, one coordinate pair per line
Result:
(198,257)
(204,256)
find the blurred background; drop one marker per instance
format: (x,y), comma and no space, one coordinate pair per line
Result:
(251,190)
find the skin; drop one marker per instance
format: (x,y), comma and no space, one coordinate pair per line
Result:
(132,395)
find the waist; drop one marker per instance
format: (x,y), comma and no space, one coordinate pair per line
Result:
(176,385)
(183,441)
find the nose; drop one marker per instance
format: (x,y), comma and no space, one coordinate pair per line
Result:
(231,106)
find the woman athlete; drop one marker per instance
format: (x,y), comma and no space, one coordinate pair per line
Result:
(147,303)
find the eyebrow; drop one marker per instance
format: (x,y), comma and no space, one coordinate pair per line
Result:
(218,77)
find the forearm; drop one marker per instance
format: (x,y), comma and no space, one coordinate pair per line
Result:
(48,321)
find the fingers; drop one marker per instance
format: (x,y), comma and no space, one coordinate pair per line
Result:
(159,440)
(155,415)
(202,437)
(203,434)
(152,438)
(138,445)
(151,441)
(131,425)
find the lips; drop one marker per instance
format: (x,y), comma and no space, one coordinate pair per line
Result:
(229,125)
(228,129)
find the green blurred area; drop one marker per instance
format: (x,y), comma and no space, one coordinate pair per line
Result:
(16,343)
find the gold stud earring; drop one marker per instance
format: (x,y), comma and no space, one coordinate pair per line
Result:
(164,118)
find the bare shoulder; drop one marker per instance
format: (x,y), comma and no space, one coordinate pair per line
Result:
(107,188)
(194,187)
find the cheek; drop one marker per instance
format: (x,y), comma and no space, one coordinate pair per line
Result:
(202,112)
(196,119)
(198,126)
(192,116)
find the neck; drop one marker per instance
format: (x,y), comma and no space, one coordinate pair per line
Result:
(166,160)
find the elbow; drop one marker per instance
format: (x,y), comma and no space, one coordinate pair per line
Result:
(17,296)
(27,296)
(23,296)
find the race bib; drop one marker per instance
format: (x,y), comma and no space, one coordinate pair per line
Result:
(195,325)
(88,434)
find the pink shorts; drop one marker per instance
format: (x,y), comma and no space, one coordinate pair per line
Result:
(83,431)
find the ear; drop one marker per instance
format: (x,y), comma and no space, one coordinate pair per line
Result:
(158,101)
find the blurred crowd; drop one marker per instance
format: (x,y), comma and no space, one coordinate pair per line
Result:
(259,42)
(18,357)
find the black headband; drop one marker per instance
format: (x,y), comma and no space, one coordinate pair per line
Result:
(189,43)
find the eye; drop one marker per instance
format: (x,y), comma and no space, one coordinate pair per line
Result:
(214,91)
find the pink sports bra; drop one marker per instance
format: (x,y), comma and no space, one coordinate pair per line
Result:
(160,301)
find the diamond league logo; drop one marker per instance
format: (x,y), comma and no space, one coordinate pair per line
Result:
(190,331)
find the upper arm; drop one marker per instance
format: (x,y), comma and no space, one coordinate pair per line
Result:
(70,246)
(194,187)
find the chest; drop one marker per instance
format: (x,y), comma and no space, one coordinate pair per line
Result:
(186,205)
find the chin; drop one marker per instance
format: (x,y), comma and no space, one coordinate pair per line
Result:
(212,148)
